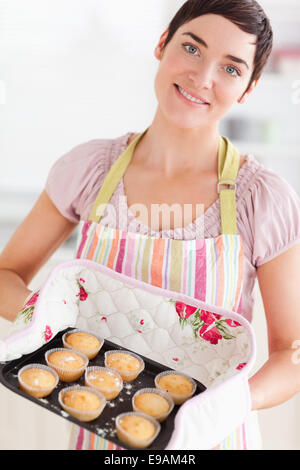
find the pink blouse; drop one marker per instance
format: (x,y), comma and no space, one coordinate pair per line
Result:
(268,209)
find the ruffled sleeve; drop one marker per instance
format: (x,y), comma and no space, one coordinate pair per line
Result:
(73,179)
(273,210)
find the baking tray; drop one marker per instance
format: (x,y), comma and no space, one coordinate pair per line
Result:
(104,426)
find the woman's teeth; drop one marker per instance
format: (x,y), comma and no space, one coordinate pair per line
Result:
(190,97)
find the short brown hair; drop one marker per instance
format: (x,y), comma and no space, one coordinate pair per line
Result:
(248,15)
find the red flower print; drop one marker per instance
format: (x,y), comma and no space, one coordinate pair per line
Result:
(212,335)
(185,311)
(139,331)
(81,280)
(103,319)
(232,323)
(82,294)
(64,301)
(48,333)
(142,322)
(241,366)
(32,300)
(175,359)
(208,317)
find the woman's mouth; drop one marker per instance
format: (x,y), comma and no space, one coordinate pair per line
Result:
(190,98)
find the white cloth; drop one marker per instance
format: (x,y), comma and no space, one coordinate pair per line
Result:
(205,420)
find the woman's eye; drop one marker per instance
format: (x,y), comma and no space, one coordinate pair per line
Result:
(232,71)
(190,48)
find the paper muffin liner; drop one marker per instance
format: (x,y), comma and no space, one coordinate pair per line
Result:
(89,353)
(162,417)
(126,438)
(82,415)
(178,399)
(67,375)
(37,392)
(127,376)
(109,393)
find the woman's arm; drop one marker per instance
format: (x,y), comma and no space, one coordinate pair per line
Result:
(279,378)
(33,243)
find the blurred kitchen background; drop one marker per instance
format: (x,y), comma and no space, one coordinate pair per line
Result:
(74,70)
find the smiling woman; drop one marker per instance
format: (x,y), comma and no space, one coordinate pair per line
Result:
(210,58)
(225,59)
(248,17)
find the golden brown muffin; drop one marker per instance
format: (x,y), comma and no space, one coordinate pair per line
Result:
(37,381)
(38,378)
(180,388)
(68,360)
(136,431)
(87,343)
(129,366)
(107,381)
(68,364)
(81,400)
(176,384)
(152,404)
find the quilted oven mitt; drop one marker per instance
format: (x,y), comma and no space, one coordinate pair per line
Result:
(207,419)
(30,331)
(151,322)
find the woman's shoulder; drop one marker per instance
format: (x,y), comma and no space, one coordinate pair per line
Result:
(79,173)
(257,180)
(94,151)
(268,209)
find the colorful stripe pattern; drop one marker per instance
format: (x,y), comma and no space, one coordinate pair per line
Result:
(210,270)
(81,439)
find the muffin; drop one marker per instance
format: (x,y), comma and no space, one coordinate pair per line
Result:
(107,381)
(179,386)
(128,364)
(37,380)
(153,402)
(87,343)
(82,403)
(136,429)
(69,365)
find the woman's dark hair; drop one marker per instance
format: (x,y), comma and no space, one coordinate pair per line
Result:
(248,15)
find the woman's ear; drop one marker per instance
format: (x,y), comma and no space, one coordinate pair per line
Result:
(158,52)
(244,98)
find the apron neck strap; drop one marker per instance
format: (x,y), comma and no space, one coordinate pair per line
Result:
(112,180)
(229,160)
(229,164)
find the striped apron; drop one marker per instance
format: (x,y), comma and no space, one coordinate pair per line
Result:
(210,270)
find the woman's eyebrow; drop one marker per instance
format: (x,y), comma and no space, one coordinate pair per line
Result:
(203,43)
(196,38)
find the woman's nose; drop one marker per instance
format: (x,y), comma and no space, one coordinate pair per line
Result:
(202,77)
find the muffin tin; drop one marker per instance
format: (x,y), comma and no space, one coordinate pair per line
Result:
(105,424)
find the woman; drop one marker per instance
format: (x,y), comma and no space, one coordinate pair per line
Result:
(211,57)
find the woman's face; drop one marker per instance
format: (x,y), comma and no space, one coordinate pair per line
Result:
(208,58)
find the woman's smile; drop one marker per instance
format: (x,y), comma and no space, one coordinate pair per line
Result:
(190,98)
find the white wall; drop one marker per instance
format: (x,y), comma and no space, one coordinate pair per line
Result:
(73,71)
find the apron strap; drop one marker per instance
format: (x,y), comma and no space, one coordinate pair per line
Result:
(229,160)
(229,164)
(112,180)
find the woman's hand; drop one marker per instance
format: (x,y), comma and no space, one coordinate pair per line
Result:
(279,379)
